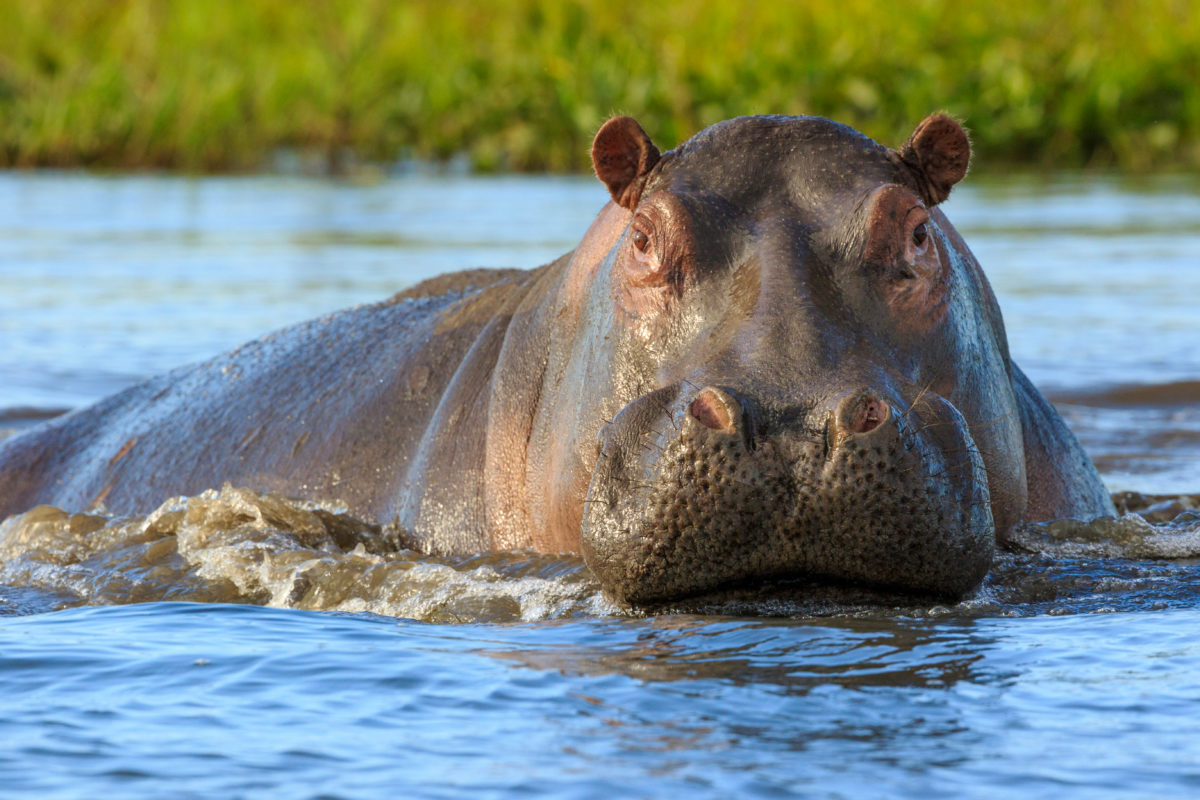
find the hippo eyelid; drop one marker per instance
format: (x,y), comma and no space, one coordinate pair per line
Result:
(920,234)
(916,218)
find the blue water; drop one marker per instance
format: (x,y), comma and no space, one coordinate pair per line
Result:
(187,700)
(1074,672)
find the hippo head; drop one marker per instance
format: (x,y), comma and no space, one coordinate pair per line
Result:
(790,364)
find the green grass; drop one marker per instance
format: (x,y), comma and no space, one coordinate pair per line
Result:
(202,85)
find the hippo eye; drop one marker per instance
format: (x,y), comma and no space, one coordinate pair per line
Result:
(920,234)
(650,249)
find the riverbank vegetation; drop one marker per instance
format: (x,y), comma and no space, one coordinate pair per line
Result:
(524,84)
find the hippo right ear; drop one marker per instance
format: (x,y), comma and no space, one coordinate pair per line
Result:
(622,154)
(937,155)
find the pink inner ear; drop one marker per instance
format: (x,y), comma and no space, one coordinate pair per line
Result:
(613,162)
(944,148)
(622,153)
(939,153)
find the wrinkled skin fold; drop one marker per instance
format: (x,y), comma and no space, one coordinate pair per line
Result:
(771,356)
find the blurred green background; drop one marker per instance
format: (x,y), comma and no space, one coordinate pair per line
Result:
(523,84)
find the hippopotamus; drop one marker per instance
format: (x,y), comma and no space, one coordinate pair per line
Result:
(771,356)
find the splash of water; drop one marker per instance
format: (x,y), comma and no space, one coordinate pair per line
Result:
(238,546)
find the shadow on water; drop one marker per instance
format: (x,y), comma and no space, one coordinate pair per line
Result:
(795,656)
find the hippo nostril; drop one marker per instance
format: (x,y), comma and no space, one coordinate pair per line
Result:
(715,410)
(871,415)
(862,412)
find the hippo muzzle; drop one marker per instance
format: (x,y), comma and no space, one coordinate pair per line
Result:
(695,491)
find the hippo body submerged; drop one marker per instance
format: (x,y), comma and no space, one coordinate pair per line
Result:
(771,355)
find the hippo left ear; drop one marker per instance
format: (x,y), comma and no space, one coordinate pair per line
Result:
(622,154)
(937,154)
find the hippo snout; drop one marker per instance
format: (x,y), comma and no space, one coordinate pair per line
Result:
(696,490)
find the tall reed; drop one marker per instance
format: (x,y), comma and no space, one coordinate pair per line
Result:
(523,84)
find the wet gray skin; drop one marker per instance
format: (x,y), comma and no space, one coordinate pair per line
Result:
(854,415)
(770,356)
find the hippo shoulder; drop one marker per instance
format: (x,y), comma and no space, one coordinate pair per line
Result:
(1062,480)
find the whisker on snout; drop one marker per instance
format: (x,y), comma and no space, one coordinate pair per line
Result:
(921,394)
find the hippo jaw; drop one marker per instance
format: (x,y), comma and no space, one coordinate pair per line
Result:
(696,500)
